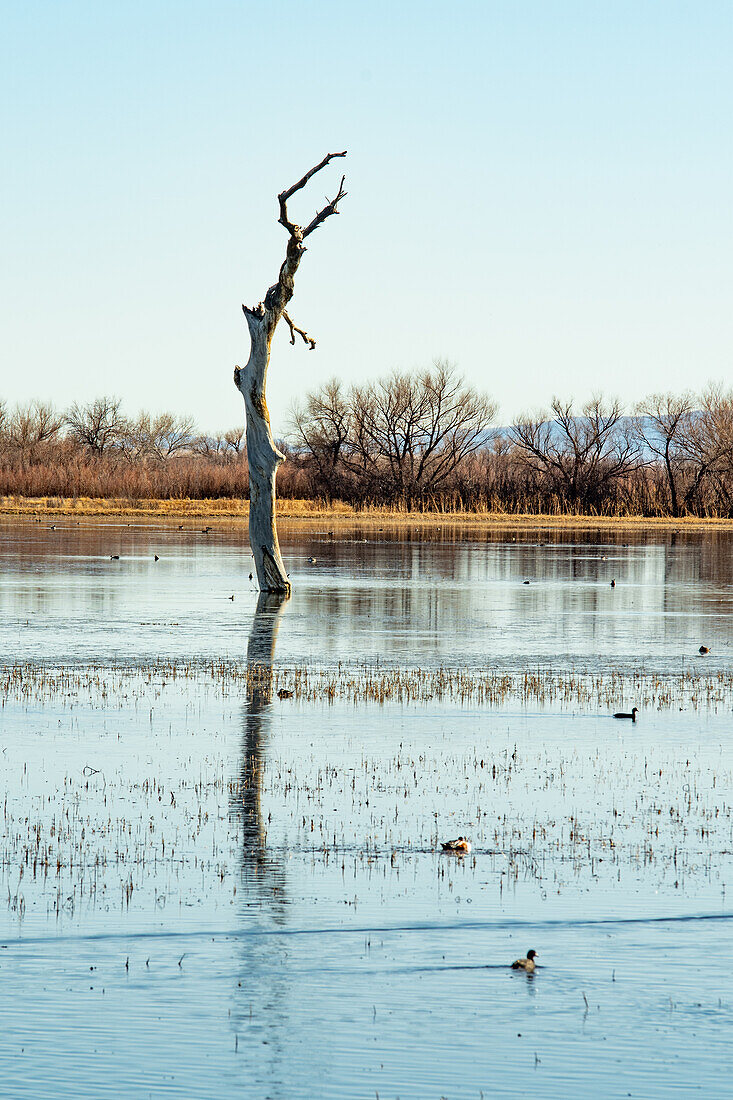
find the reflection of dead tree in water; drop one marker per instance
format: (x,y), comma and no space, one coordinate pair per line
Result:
(259,869)
(259,975)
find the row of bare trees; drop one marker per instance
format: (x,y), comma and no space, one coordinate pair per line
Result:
(94,450)
(414,440)
(428,439)
(101,428)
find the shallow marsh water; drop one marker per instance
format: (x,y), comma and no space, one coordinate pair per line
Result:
(207,891)
(422,597)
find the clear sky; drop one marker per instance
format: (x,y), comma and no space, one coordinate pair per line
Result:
(540,192)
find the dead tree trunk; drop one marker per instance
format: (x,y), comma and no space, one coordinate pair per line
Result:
(262,455)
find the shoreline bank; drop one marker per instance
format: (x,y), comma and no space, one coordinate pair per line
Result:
(338,513)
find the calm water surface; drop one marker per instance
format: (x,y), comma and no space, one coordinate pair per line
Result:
(208,892)
(430,597)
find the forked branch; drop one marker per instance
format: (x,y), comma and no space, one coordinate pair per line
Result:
(294,328)
(295,230)
(327,211)
(279,295)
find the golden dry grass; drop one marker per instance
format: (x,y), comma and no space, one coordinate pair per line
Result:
(336,512)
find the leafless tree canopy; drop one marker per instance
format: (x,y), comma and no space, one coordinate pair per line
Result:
(161,436)
(663,424)
(401,437)
(708,447)
(578,456)
(420,440)
(98,425)
(227,446)
(31,426)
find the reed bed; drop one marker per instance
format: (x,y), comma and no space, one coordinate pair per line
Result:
(185,823)
(375,684)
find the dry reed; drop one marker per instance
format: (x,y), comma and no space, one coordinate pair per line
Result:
(112,685)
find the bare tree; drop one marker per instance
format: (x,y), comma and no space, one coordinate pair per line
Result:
(663,425)
(32,425)
(414,430)
(580,456)
(98,425)
(400,438)
(223,447)
(235,440)
(262,454)
(322,426)
(209,446)
(161,436)
(708,446)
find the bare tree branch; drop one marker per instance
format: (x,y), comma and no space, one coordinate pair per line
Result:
(327,211)
(294,328)
(279,295)
(288,194)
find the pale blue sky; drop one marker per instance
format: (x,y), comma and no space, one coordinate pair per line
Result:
(540,192)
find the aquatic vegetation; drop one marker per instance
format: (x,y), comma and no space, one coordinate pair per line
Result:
(179,814)
(375,683)
(213,848)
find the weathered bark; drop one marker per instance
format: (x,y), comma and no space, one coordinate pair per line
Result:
(263,459)
(262,455)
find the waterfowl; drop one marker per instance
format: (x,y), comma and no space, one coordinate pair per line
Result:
(462,845)
(625,714)
(114,557)
(703,650)
(312,561)
(527,964)
(283,693)
(231,598)
(613,584)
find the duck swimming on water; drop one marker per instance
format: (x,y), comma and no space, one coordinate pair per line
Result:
(462,846)
(626,714)
(527,964)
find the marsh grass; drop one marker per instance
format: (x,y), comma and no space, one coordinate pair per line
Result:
(365,683)
(178,824)
(338,512)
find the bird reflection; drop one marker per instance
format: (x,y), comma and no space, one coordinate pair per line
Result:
(262,872)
